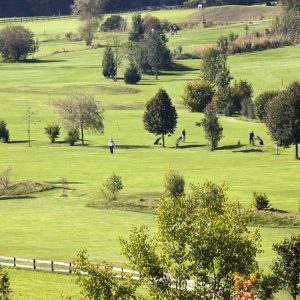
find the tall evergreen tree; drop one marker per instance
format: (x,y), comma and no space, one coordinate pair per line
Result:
(108,63)
(137,30)
(160,116)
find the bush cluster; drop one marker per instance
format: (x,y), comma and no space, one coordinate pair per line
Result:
(4,132)
(132,75)
(114,23)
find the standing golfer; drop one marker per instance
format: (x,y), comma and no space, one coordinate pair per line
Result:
(111,145)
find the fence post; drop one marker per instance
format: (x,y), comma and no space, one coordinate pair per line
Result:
(34,264)
(15,264)
(52,266)
(122,273)
(70,269)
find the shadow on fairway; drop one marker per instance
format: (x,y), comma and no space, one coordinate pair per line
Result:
(20,142)
(37,61)
(191,146)
(249,151)
(129,147)
(59,182)
(17,198)
(181,68)
(230,147)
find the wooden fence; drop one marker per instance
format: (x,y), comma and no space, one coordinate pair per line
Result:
(56,266)
(33,19)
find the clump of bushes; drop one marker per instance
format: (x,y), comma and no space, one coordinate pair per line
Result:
(16,43)
(4,132)
(112,187)
(132,75)
(261,103)
(114,23)
(197,94)
(52,130)
(260,201)
(73,136)
(174,183)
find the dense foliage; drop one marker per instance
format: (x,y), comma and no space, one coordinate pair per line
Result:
(16,43)
(160,116)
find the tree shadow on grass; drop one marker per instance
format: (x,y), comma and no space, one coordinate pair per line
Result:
(248,151)
(181,68)
(187,146)
(230,147)
(37,61)
(59,182)
(129,147)
(19,142)
(16,198)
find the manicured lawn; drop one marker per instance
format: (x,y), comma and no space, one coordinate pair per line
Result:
(52,227)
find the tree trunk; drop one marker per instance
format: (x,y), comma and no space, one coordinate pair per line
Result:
(163,139)
(156,74)
(296,146)
(82,136)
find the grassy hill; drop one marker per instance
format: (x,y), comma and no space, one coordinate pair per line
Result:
(45,225)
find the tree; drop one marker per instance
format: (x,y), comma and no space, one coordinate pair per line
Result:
(16,43)
(283,117)
(98,281)
(88,9)
(287,265)
(160,116)
(213,130)
(174,183)
(87,30)
(118,55)
(214,68)
(112,187)
(261,104)
(80,110)
(108,63)
(114,23)
(31,117)
(137,30)
(156,51)
(52,130)
(132,75)
(73,136)
(5,290)
(4,132)
(197,94)
(201,236)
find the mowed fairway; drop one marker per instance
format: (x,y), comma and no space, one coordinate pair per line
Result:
(52,227)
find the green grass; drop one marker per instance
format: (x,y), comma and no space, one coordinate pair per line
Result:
(48,226)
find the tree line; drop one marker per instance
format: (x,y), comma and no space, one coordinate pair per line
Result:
(21,8)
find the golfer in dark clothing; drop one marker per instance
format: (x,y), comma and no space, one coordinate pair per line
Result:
(183,135)
(251,138)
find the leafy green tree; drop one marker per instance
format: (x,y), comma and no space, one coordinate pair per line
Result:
(201,236)
(52,130)
(197,94)
(108,63)
(287,265)
(137,30)
(261,104)
(214,68)
(5,291)
(114,23)
(16,43)
(160,116)
(174,183)
(98,281)
(80,110)
(112,187)
(132,75)
(260,201)
(87,30)
(283,117)
(4,132)
(213,130)
(88,9)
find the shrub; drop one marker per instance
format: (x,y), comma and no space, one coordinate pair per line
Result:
(73,136)
(132,75)
(16,43)
(174,183)
(223,101)
(261,103)
(247,109)
(88,29)
(114,23)
(52,130)
(260,201)
(112,187)
(4,285)
(197,94)
(4,132)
